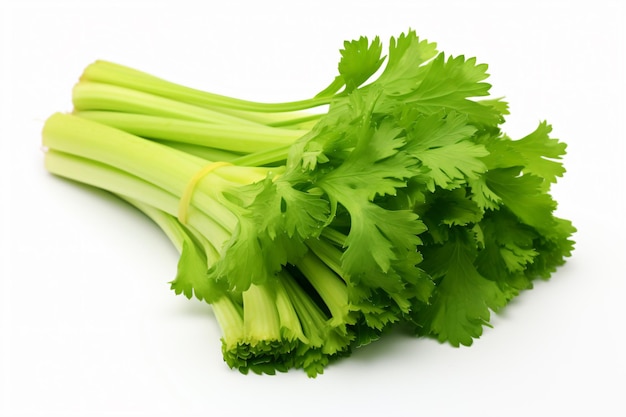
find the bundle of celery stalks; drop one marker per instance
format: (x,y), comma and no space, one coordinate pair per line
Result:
(312,227)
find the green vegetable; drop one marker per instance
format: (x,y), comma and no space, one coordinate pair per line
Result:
(313,226)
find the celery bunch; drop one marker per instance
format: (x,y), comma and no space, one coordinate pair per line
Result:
(311,227)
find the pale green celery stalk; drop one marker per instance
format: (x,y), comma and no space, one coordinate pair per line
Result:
(209,154)
(261,321)
(116,181)
(269,157)
(334,236)
(330,340)
(158,164)
(228,137)
(229,316)
(97,96)
(331,288)
(328,253)
(111,73)
(275,157)
(304,122)
(291,328)
(312,318)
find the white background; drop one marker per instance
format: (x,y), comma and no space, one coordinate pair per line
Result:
(88,324)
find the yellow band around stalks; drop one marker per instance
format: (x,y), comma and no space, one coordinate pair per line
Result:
(185,200)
